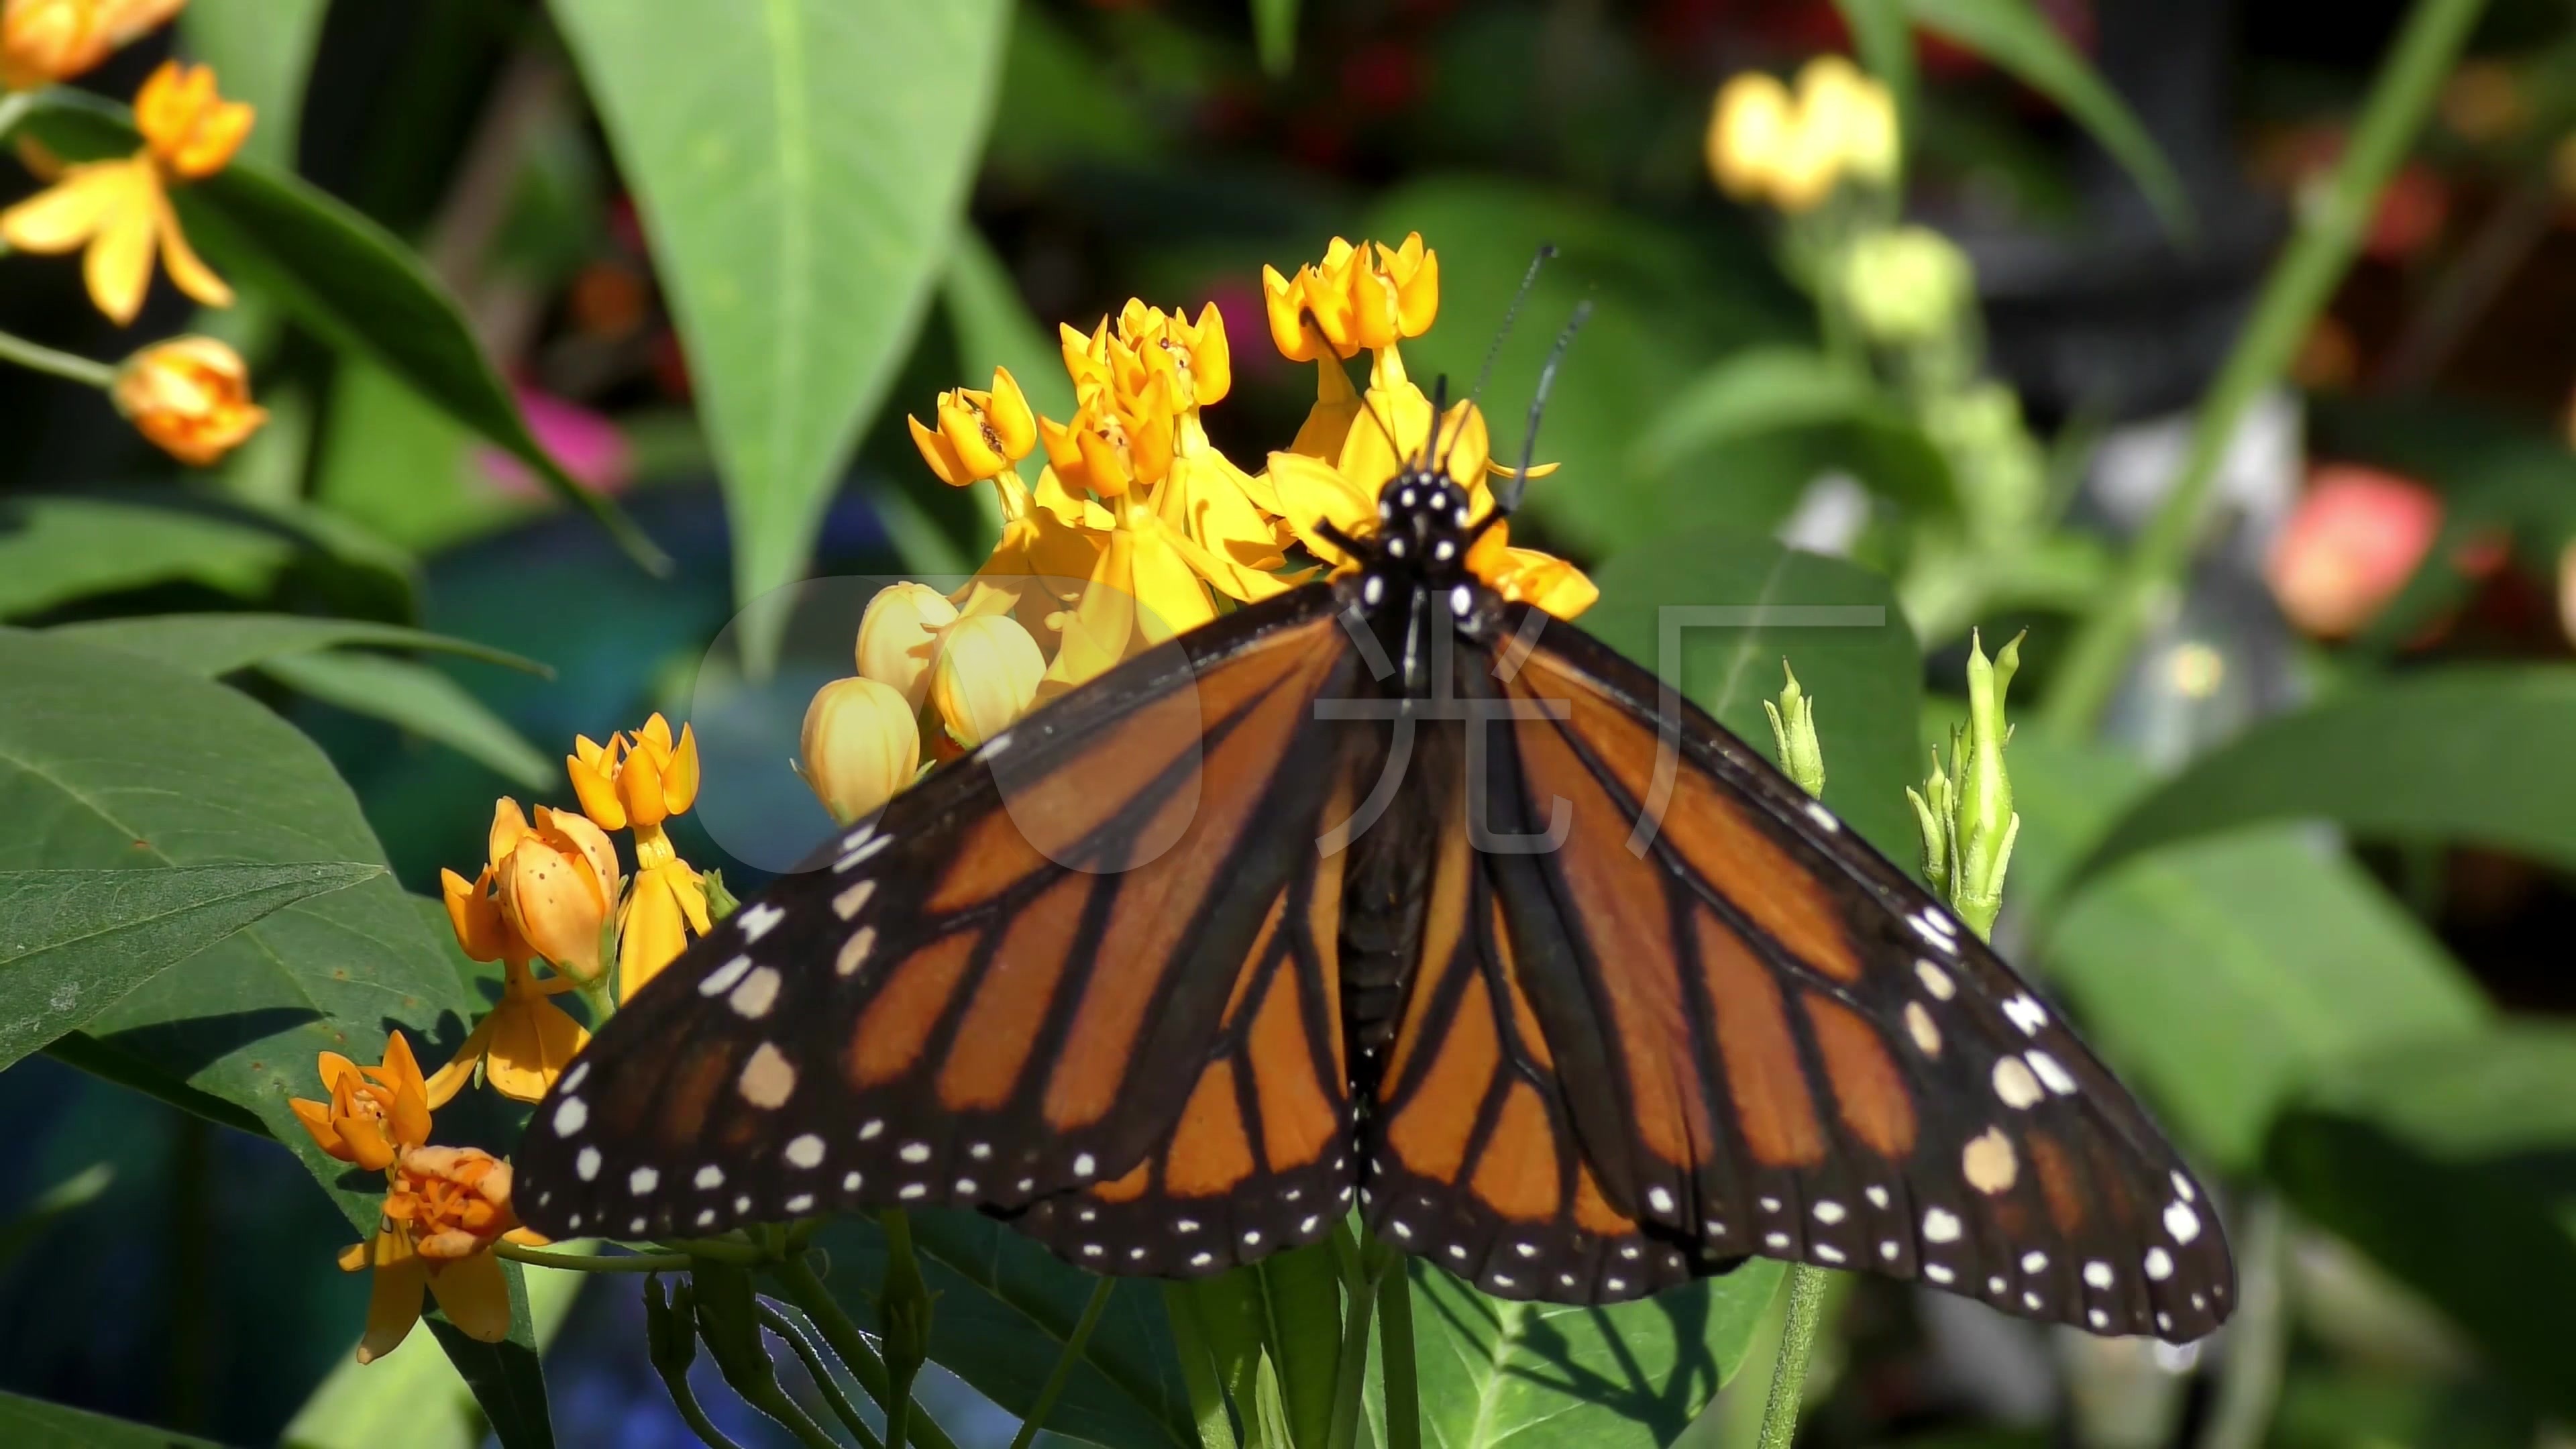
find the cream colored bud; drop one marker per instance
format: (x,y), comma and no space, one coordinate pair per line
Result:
(986,677)
(899,633)
(860,746)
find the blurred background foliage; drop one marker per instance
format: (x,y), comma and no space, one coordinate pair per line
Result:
(2303,863)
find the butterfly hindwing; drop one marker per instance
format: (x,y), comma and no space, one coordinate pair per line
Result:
(1006,987)
(1650,1053)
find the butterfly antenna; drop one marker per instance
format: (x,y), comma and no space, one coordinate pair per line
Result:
(1494,349)
(1538,405)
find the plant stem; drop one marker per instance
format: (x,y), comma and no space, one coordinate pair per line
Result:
(2258,1342)
(848,1344)
(809,1354)
(1064,1363)
(766,1396)
(1395,1356)
(1350,1373)
(594,1262)
(1198,1368)
(14,106)
(722,1250)
(60,364)
(675,1382)
(1797,1344)
(2302,281)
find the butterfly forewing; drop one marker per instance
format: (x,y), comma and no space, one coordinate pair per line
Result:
(1023,981)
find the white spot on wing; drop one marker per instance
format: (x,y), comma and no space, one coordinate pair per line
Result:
(1940,1225)
(721,980)
(2159,1264)
(2014,1083)
(767,1079)
(757,920)
(854,951)
(585,1165)
(570,1115)
(757,993)
(2182,1222)
(2059,1080)
(642,1180)
(850,902)
(709,1176)
(1823,817)
(805,1151)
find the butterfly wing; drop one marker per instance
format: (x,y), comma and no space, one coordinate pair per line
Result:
(1643,1054)
(1039,974)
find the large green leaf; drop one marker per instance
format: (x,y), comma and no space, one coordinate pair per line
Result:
(261,49)
(212,645)
(54,550)
(345,278)
(1635,1374)
(801,166)
(2223,976)
(420,699)
(74,942)
(1836,625)
(1005,1307)
(1770,389)
(111,762)
(27,1423)
(2015,36)
(2480,754)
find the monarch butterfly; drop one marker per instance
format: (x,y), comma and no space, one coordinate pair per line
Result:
(1385,892)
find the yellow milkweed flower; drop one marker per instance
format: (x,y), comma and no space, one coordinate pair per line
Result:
(635,782)
(120,210)
(986,678)
(42,41)
(447,1207)
(191,397)
(899,633)
(980,434)
(546,892)
(374,1113)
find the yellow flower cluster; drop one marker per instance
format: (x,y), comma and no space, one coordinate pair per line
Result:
(1137,528)
(1764,144)
(444,1207)
(189,396)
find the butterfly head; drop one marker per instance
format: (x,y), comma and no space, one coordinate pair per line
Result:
(1422,526)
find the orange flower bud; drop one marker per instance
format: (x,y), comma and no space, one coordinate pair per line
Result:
(190,130)
(898,634)
(557,886)
(374,1112)
(860,746)
(191,397)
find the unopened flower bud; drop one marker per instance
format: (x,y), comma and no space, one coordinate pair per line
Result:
(986,677)
(191,397)
(1793,736)
(860,746)
(1907,285)
(899,633)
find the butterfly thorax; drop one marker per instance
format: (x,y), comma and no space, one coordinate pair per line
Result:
(1414,581)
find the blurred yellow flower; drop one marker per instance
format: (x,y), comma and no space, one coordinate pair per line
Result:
(986,678)
(191,397)
(1370,295)
(119,210)
(861,744)
(1765,145)
(374,1112)
(55,40)
(636,780)
(447,1207)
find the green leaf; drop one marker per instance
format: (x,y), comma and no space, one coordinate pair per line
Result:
(1771,389)
(414,1398)
(55,550)
(2016,37)
(801,167)
(212,645)
(1301,1295)
(112,762)
(994,328)
(420,699)
(1837,627)
(51,1206)
(2479,754)
(74,942)
(345,278)
(2223,976)
(2497,1259)
(261,50)
(1005,1308)
(34,1424)
(1274,33)
(1632,1374)
(2505,1094)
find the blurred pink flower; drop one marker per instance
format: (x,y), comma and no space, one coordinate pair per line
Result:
(589,447)
(2350,546)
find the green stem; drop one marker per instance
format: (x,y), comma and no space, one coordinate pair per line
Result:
(1064,1363)
(594,1262)
(61,364)
(675,1382)
(1797,1345)
(722,1250)
(904,1295)
(2302,281)
(1395,1355)
(766,1396)
(2258,1341)
(14,106)
(1350,1373)
(825,1382)
(848,1345)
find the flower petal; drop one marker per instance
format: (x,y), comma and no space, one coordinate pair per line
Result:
(475,1295)
(393,1302)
